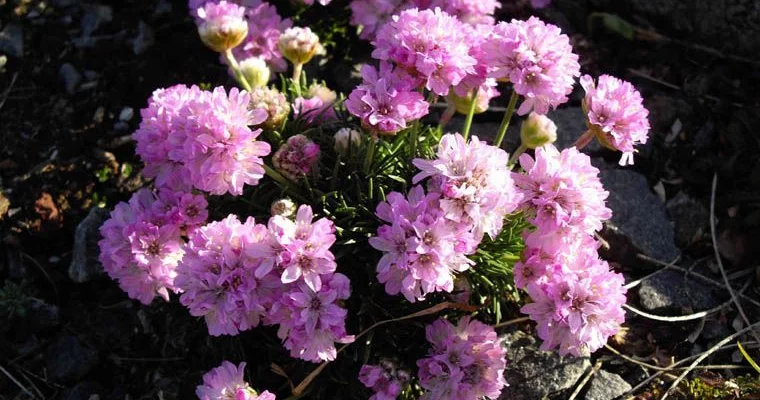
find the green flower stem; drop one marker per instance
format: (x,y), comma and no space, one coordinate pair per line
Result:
(236,69)
(470,114)
(277,176)
(516,154)
(297,68)
(413,140)
(447,115)
(507,119)
(370,155)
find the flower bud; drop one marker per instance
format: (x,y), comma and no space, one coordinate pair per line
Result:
(296,158)
(283,207)
(275,104)
(537,130)
(255,71)
(461,97)
(346,137)
(299,45)
(328,96)
(221,25)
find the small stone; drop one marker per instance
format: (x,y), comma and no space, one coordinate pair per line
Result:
(70,78)
(144,40)
(95,16)
(12,40)
(5,204)
(85,265)
(690,218)
(68,360)
(126,114)
(639,222)
(533,374)
(675,291)
(607,386)
(120,127)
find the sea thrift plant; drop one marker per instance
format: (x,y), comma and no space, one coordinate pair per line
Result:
(430,44)
(537,59)
(466,361)
(344,223)
(615,115)
(226,382)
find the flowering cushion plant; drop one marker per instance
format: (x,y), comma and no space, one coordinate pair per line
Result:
(332,218)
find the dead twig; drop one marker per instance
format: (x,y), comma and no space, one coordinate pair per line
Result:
(591,372)
(8,91)
(15,381)
(511,322)
(720,262)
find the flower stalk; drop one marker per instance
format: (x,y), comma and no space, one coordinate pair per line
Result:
(507,118)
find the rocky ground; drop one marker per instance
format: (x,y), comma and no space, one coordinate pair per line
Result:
(73,76)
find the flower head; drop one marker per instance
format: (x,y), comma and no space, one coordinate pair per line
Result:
(537,130)
(370,15)
(221,25)
(537,58)
(385,380)
(226,382)
(386,100)
(431,45)
(296,158)
(347,139)
(615,114)
(273,102)
(255,71)
(314,109)
(299,45)
(465,361)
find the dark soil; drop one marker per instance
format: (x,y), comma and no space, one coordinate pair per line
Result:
(63,150)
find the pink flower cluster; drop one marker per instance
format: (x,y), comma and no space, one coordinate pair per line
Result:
(430,235)
(422,248)
(430,44)
(237,275)
(385,380)
(537,59)
(190,137)
(314,110)
(476,188)
(296,158)
(616,114)
(465,362)
(264,28)
(142,241)
(226,382)
(370,15)
(577,299)
(386,100)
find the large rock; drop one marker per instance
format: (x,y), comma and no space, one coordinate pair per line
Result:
(533,374)
(607,386)
(690,217)
(84,260)
(639,221)
(68,360)
(675,291)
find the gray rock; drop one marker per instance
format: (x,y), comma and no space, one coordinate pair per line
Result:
(534,374)
(95,16)
(84,261)
(12,40)
(607,386)
(144,40)
(639,221)
(70,78)
(68,360)
(689,216)
(672,290)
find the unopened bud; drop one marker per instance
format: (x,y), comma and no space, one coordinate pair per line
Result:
(222,26)
(537,130)
(347,138)
(283,207)
(273,102)
(255,71)
(328,96)
(299,45)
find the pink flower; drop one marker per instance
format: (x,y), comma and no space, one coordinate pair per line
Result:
(142,242)
(475,184)
(422,249)
(431,45)
(221,25)
(297,158)
(386,101)
(469,11)
(370,15)
(226,382)
(219,280)
(537,58)
(615,114)
(562,190)
(465,362)
(385,380)
(577,299)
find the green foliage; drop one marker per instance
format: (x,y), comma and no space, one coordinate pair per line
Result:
(718,388)
(14,300)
